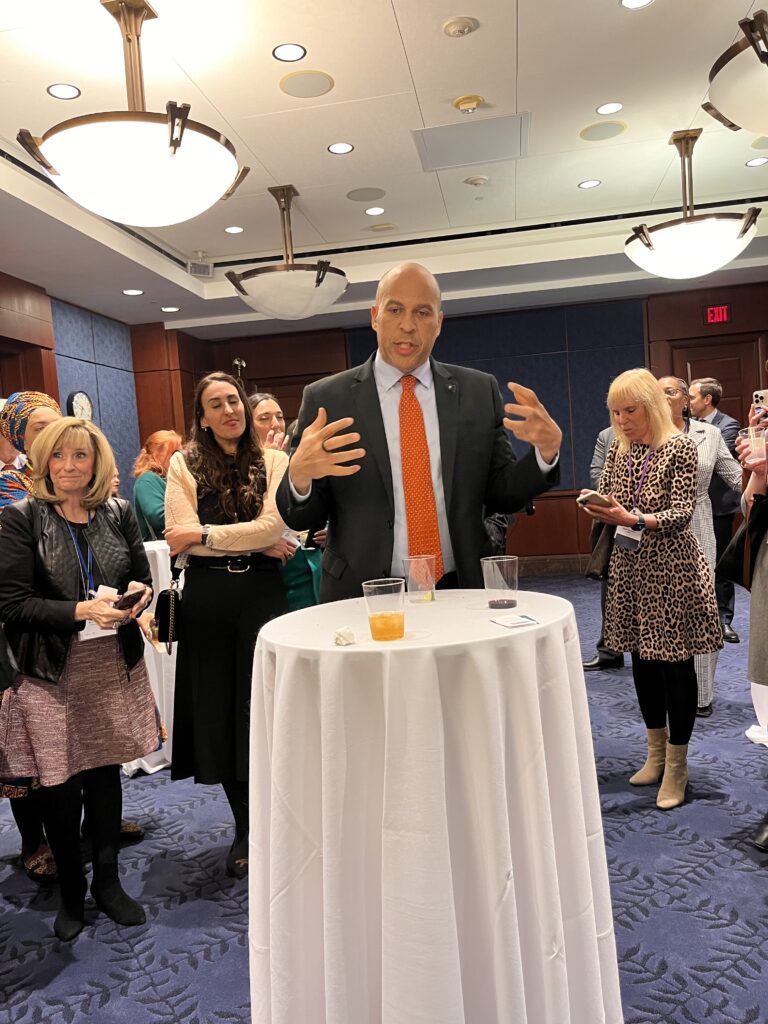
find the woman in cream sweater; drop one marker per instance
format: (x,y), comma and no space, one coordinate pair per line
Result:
(220,510)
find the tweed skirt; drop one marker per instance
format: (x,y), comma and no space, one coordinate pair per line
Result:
(98,713)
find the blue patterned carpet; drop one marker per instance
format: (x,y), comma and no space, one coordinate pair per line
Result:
(689,891)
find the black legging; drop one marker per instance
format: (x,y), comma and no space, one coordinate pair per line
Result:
(667,692)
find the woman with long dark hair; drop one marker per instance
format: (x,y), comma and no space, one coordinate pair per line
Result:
(220,509)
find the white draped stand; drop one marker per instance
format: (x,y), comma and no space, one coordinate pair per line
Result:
(426,839)
(161,668)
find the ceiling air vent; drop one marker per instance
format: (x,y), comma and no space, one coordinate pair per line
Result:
(473,142)
(200,268)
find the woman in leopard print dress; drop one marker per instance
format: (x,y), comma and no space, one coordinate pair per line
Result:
(661,603)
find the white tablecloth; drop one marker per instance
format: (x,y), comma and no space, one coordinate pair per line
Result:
(160,667)
(426,839)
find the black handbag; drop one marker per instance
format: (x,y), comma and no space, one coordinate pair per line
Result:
(601,540)
(737,562)
(168,611)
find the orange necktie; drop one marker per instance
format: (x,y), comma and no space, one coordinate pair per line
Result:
(420,510)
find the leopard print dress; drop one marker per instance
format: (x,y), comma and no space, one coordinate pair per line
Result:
(661,601)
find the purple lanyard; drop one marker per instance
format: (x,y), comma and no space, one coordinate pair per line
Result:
(636,494)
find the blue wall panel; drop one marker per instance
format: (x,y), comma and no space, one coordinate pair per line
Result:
(568,355)
(93,354)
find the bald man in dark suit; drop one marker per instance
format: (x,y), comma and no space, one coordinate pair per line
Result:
(359,490)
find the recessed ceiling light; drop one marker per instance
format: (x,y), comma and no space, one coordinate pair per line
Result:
(169,309)
(635,5)
(590,183)
(289,52)
(234,230)
(375,211)
(132,291)
(63,91)
(609,108)
(339,148)
(757,161)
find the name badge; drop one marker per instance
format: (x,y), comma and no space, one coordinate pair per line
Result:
(627,538)
(92,631)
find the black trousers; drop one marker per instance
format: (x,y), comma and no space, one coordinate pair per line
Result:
(668,694)
(724,589)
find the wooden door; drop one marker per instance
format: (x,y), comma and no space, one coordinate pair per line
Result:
(737,361)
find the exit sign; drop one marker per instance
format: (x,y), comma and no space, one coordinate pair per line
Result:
(717,314)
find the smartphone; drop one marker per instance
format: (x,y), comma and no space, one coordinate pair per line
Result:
(129,600)
(593,498)
(758,398)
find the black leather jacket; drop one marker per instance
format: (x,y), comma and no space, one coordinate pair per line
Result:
(40,579)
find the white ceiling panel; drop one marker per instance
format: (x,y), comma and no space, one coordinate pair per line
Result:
(394,71)
(443,68)
(293,145)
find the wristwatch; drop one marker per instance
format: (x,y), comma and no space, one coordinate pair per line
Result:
(204,537)
(640,524)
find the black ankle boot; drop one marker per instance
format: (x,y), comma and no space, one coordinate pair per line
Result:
(114,900)
(237,858)
(71,916)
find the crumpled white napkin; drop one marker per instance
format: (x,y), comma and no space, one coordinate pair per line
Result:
(343,637)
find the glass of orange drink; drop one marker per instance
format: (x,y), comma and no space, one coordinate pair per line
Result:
(384,601)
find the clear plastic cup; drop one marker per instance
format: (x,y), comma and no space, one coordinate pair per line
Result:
(500,580)
(756,438)
(420,575)
(384,602)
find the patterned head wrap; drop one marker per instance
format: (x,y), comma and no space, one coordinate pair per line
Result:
(17,410)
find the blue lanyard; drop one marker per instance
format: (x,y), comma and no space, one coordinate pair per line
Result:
(86,567)
(635,497)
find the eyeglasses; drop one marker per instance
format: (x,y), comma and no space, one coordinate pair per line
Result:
(672,392)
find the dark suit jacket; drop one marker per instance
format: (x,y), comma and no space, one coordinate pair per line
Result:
(478,464)
(725,502)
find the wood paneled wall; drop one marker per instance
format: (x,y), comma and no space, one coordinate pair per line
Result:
(27,361)
(168,364)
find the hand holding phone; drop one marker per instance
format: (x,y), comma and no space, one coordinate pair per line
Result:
(129,600)
(593,498)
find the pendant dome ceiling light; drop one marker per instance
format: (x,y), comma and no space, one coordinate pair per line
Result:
(134,167)
(695,244)
(290,291)
(738,80)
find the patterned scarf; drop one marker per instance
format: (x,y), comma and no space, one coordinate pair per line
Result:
(17,410)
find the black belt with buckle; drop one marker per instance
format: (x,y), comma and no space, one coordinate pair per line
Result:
(230,563)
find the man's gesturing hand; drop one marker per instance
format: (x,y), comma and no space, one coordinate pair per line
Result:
(535,425)
(319,452)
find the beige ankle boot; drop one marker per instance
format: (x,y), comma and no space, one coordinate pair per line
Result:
(672,789)
(653,768)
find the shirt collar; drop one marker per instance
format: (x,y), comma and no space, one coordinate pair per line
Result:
(708,419)
(388,375)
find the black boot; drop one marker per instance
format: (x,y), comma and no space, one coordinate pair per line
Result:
(237,858)
(71,916)
(103,806)
(61,807)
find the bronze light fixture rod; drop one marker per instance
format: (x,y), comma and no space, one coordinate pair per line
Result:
(130,16)
(284,194)
(684,141)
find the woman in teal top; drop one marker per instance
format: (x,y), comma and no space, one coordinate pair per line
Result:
(149,471)
(301,573)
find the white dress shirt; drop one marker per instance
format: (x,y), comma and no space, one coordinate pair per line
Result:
(389,388)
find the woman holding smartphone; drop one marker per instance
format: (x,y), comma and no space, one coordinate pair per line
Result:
(757,662)
(712,457)
(661,603)
(220,509)
(83,704)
